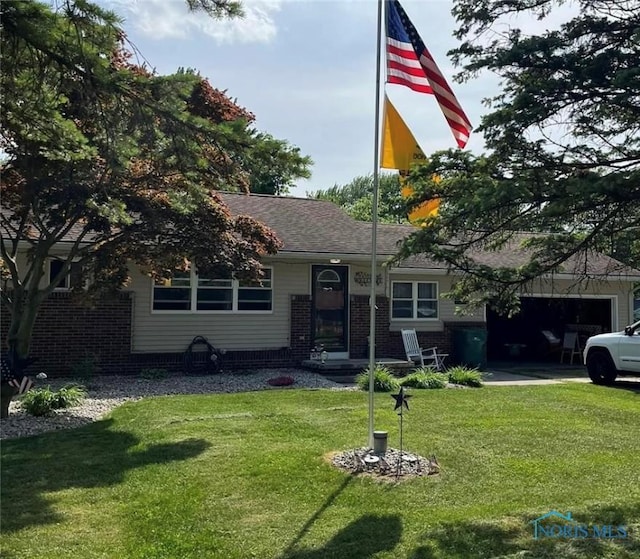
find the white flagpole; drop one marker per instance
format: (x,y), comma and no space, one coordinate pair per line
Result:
(374,228)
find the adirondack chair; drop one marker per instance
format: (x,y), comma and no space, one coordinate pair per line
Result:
(553,340)
(553,343)
(570,346)
(428,357)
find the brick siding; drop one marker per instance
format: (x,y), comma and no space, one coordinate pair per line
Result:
(359,326)
(68,332)
(300,327)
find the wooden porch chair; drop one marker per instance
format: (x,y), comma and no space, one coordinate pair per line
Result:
(428,357)
(570,346)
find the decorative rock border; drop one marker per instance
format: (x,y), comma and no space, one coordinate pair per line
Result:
(390,466)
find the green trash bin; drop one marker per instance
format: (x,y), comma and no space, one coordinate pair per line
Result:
(470,347)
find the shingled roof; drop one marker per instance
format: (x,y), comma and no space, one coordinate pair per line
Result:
(514,255)
(310,226)
(307,225)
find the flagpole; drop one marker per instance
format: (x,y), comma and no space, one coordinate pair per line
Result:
(374,228)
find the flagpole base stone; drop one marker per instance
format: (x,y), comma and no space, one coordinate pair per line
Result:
(385,466)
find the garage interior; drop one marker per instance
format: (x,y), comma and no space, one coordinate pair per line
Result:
(521,337)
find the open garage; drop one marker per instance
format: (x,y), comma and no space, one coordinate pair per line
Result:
(529,335)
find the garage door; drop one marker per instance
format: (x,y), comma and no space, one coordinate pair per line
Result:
(521,336)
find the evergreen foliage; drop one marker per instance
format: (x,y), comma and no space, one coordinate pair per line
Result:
(563,148)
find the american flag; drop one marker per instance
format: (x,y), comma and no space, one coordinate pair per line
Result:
(409,63)
(18,381)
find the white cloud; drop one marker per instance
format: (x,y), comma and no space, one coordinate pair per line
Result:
(170,19)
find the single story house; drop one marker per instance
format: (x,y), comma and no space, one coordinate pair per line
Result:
(315,291)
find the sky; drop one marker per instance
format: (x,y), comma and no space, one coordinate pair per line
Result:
(306,69)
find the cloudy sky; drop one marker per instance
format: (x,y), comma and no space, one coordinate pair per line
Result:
(306,69)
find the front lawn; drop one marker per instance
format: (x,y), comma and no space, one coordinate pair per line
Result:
(245,475)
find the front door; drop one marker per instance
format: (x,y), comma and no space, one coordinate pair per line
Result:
(329,314)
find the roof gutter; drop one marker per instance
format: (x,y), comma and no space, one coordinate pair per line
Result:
(322,256)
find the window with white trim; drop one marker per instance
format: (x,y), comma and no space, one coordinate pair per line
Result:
(73,278)
(414,300)
(188,292)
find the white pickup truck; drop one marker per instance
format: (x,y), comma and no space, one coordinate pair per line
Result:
(609,355)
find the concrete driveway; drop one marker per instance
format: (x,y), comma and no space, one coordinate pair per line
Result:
(531,374)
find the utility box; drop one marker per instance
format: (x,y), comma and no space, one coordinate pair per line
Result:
(470,347)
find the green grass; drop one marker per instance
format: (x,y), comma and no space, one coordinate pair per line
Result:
(244,475)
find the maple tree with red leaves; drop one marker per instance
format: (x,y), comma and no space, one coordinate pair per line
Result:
(107,163)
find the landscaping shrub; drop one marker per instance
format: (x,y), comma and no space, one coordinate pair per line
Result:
(42,401)
(384,381)
(154,374)
(85,369)
(465,376)
(425,377)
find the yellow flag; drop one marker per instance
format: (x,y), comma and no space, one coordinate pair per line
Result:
(423,211)
(399,148)
(400,151)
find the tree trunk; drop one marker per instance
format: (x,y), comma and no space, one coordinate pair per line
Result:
(18,343)
(21,326)
(6,394)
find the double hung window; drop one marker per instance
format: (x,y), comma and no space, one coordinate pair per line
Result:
(417,300)
(187,291)
(73,278)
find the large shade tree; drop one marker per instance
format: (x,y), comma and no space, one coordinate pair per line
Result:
(563,145)
(274,165)
(118,163)
(356,198)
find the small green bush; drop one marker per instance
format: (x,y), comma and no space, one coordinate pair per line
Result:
(42,401)
(425,377)
(38,401)
(384,381)
(154,374)
(465,376)
(84,369)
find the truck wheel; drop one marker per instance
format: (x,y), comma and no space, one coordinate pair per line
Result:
(601,368)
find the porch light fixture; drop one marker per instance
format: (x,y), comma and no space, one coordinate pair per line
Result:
(335,261)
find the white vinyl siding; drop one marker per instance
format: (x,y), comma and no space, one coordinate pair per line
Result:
(360,280)
(155,331)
